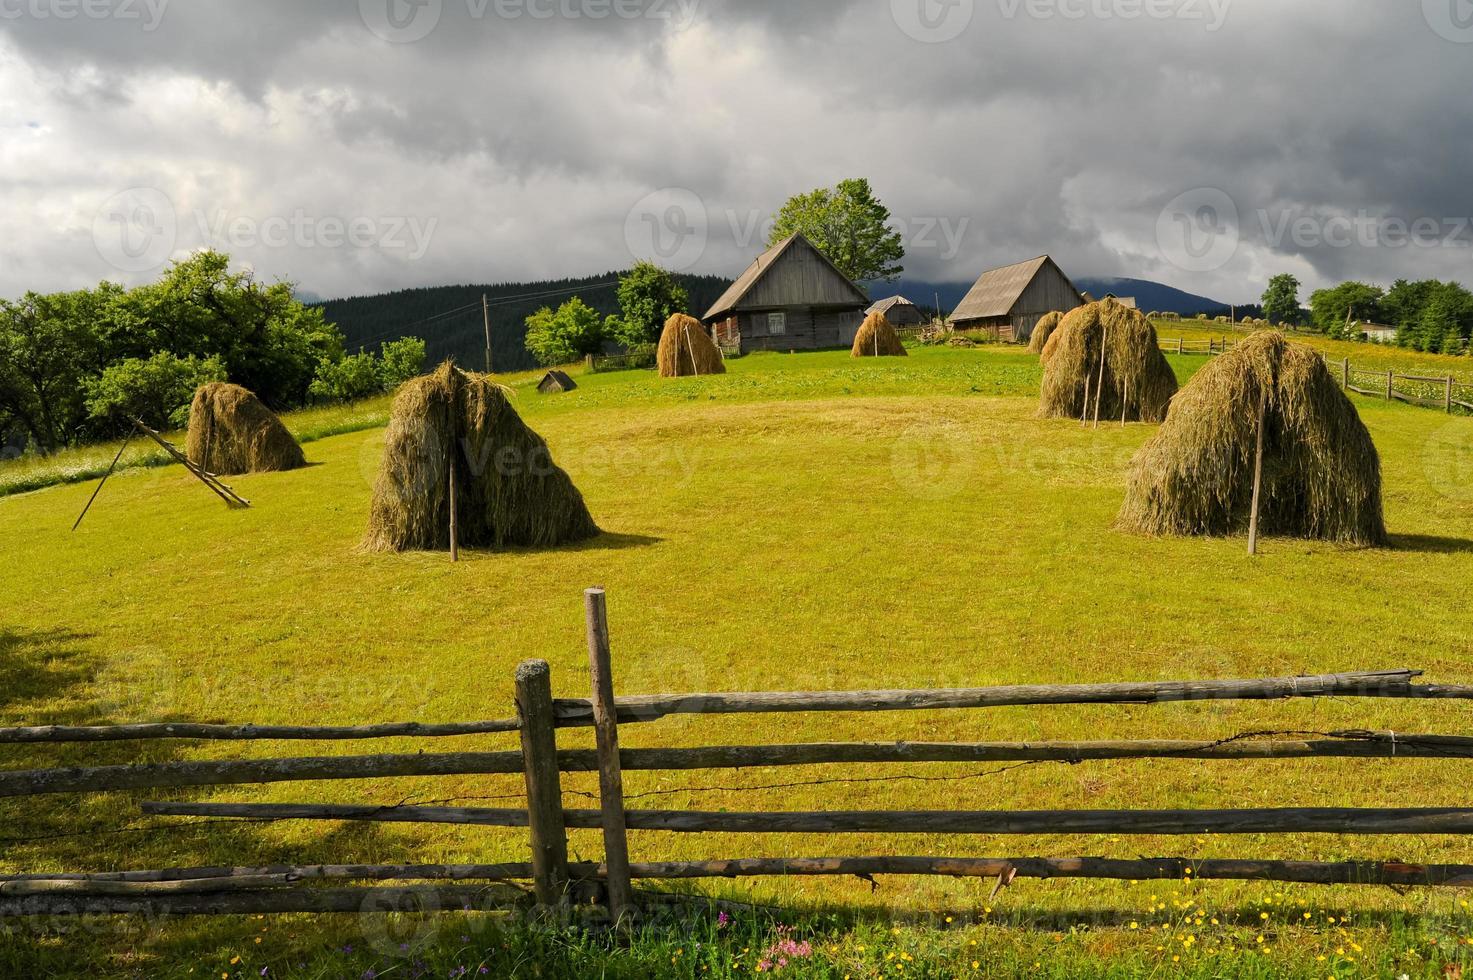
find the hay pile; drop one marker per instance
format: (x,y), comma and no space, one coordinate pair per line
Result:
(1321,472)
(1042,331)
(877,338)
(1136,382)
(231,432)
(508,491)
(686,349)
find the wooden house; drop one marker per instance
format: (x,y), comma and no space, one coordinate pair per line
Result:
(1011,300)
(791,298)
(900,311)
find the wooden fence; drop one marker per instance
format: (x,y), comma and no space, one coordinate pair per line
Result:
(1447,393)
(542,763)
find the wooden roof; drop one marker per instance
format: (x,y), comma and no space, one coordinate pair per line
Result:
(997,291)
(829,287)
(886,305)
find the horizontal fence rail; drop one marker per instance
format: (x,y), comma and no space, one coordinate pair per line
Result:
(541,763)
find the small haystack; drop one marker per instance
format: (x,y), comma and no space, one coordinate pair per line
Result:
(686,349)
(1321,472)
(508,490)
(877,338)
(1106,363)
(231,432)
(1043,330)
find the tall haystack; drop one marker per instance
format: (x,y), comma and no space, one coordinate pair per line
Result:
(1106,363)
(508,491)
(231,432)
(1043,330)
(1321,472)
(877,338)
(686,349)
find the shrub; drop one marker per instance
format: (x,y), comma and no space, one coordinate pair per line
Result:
(565,336)
(347,379)
(157,390)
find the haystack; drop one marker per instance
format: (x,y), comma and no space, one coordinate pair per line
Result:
(231,432)
(508,490)
(1107,363)
(686,349)
(877,338)
(1043,330)
(1321,472)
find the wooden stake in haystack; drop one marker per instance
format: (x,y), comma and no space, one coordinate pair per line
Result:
(1105,358)
(686,350)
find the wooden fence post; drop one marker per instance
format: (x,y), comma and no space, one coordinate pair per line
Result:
(1448,401)
(1180,345)
(1345,374)
(610,775)
(1390,381)
(544,784)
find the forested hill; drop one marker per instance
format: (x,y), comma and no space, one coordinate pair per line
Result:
(448,318)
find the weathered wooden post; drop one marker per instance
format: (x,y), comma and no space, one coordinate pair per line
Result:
(454,515)
(1448,398)
(1258,474)
(610,775)
(1345,374)
(1390,381)
(544,783)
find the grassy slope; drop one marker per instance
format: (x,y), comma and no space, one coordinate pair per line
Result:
(768,530)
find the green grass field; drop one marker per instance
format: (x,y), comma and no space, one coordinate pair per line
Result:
(805,522)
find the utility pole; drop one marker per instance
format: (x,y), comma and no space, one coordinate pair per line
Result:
(486,315)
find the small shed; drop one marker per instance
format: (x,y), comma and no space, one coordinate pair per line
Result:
(900,311)
(1012,299)
(556,383)
(791,298)
(1377,333)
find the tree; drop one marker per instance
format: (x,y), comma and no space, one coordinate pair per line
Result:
(565,336)
(1429,315)
(648,296)
(401,360)
(1281,300)
(1331,309)
(347,379)
(158,390)
(47,348)
(849,225)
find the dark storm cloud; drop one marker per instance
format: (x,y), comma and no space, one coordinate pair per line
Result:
(530,131)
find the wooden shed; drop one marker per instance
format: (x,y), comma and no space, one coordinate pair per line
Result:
(557,383)
(791,298)
(1011,300)
(900,311)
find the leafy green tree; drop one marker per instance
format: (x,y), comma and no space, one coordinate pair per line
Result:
(401,360)
(1331,309)
(850,226)
(347,379)
(1429,315)
(1281,300)
(157,390)
(565,336)
(48,346)
(648,295)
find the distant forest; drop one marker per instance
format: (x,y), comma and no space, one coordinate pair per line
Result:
(448,318)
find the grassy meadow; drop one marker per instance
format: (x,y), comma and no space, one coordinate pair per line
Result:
(804,522)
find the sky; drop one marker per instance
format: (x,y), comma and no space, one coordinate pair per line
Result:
(360,146)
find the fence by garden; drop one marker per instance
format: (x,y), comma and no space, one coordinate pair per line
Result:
(542,764)
(1447,392)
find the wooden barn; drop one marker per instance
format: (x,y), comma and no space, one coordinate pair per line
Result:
(900,311)
(791,298)
(1012,299)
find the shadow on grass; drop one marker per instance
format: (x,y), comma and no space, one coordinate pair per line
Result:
(1431,544)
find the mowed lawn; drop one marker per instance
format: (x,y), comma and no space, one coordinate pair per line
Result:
(806,522)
